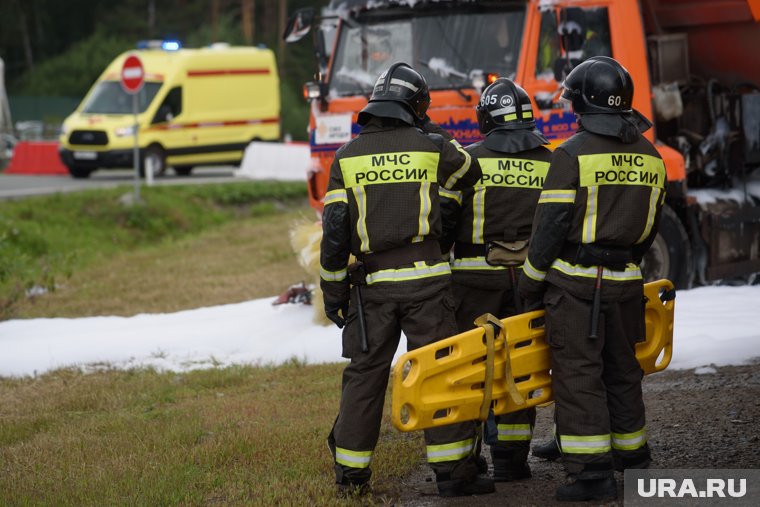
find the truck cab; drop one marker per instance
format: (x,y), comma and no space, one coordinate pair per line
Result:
(460,46)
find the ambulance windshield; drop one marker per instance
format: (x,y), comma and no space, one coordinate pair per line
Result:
(109,98)
(446,49)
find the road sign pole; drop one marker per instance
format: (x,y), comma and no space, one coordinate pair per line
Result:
(136,150)
(132,80)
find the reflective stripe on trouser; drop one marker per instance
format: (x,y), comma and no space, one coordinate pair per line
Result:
(596,382)
(365,379)
(353,459)
(453,451)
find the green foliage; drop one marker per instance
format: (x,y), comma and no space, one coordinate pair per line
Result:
(73,72)
(42,240)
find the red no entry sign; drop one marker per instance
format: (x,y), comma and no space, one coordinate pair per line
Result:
(132,74)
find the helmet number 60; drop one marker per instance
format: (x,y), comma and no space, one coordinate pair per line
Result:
(614,100)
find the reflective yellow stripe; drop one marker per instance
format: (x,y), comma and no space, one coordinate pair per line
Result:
(478,214)
(449,452)
(531,272)
(527,114)
(336,196)
(589,220)
(593,444)
(353,459)
(456,144)
(333,276)
(629,441)
(473,263)
(632,271)
(450,194)
(462,170)
(512,432)
(402,167)
(419,271)
(423,223)
(510,117)
(654,196)
(557,196)
(361,221)
(513,172)
(621,169)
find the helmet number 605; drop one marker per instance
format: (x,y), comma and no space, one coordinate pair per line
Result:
(614,100)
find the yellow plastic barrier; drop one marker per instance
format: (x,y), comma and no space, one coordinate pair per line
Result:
(447,382)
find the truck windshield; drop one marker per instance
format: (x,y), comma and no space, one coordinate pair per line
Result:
(109,98)
(446,49)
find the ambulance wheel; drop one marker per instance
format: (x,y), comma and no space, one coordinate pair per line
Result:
(670,255)
(79,172)
(183,170)
(155,157)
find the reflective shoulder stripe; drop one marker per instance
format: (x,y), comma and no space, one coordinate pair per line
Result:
(401,167)
(451,194)
(513,173)
(589,218)
(629,441)
(361,222)
(593,444)
(473,263)
(478,214)
(557,196)
(353,459)
(456,144)
(449,452)
(621,169)
(333,276)
(461,171)
(333,196)
(632,271)
(531,272)
(514,432)
(654,197)
(419,271)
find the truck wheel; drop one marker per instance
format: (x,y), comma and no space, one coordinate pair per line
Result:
(155,156)
(183,170)
(670,256)
(79,172)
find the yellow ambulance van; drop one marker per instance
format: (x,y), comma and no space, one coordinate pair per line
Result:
(196,107)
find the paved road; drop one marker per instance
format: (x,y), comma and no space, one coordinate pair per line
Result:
(14,186)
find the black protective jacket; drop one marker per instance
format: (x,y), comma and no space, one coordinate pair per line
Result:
(603,194)
(383,195)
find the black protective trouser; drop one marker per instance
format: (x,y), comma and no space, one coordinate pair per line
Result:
(514,430)
(365,380)
(599,409)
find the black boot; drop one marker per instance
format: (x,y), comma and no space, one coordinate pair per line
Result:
(590,489)
(463,480)
(506,471)
(482,464)
(461,487)
(548,450)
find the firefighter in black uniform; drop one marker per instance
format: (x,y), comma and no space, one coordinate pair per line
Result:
(482,221)
(597,215)
(382,206)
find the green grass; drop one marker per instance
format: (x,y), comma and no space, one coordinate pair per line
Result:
(45,241)
(240,435)
(232,436)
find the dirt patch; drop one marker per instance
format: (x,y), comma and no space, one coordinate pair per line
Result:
(694,420)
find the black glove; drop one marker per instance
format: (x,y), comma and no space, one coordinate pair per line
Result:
(336,296)
(530,290)
(332,313)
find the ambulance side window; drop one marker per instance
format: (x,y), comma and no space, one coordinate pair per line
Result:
(571,34)
(171,107)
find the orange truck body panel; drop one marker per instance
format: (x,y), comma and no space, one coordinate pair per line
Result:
(710,40)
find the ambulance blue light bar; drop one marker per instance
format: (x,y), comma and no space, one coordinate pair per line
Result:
(166,45)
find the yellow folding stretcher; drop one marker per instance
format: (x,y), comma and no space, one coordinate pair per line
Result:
(457,379)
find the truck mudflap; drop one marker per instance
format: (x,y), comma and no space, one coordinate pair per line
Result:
(458,378)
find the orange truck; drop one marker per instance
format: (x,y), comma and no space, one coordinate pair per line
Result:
(695,66)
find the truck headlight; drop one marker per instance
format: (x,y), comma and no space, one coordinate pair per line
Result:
(125,131)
